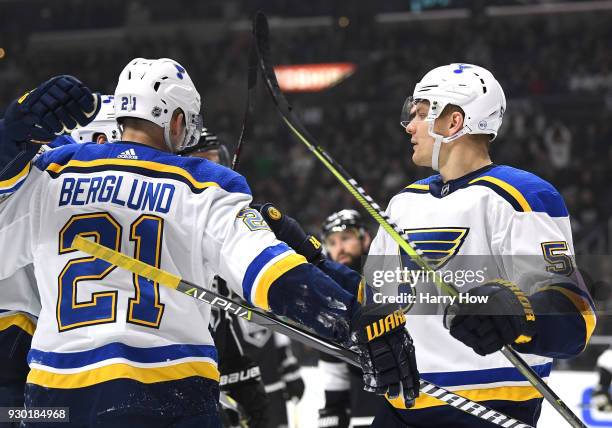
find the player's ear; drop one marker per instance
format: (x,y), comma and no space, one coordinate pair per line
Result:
(455,124)
(177,122)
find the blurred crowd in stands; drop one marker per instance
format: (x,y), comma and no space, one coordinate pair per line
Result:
(557,78)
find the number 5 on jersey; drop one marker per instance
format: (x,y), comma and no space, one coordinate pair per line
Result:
(143,309)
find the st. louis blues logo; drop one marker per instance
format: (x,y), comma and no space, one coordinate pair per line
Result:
(461,67)
(438,245)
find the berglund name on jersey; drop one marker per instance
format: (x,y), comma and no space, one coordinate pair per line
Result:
(141,196)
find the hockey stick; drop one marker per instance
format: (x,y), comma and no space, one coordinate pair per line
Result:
(175,282)
(261,32)
(250,103)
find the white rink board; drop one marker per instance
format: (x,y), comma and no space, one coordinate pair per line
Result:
(572,387)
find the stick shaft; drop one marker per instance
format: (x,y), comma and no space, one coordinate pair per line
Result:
(175,282)
(250,104)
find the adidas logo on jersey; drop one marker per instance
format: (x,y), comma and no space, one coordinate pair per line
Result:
(128,154)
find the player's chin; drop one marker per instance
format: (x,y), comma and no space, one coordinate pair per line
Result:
(343,259)
(419,159)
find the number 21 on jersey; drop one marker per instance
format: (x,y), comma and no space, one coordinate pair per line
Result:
(144,308)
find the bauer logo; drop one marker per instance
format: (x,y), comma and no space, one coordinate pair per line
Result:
(438,245)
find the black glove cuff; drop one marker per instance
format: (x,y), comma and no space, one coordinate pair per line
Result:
(311,249)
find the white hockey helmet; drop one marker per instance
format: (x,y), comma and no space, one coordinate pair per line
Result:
(152,89)
(103,123)
(468,86)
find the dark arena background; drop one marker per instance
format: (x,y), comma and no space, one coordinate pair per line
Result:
(346,67)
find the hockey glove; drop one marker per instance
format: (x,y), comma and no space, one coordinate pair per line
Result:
(57,106)
(386,352)
(287,229)
(246,387)
(290,374)
(502,316)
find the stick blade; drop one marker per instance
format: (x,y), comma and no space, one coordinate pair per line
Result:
(260,25)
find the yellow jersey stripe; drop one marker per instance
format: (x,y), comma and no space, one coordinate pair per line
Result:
(154,166)
(590,320)
(272,274)
(418,186)
(10,182)
(513,191)
(508,393)
(19,320)
(122,371)
(361,292)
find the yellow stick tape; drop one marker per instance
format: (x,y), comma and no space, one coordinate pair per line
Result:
(125,262)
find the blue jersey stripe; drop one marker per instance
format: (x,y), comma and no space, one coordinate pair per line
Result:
(257,264)
(69,360)
(474,377)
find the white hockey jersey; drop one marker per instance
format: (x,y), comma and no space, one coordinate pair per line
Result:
(19,301)
(99,322)
(498,222)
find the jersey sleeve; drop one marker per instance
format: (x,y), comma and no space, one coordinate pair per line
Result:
(18,226)
(536,252)
(14,163)
(266,272)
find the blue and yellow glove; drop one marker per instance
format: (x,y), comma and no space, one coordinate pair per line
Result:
(55,107)
(386,352)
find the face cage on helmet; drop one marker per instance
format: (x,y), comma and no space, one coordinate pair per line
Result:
(194,125)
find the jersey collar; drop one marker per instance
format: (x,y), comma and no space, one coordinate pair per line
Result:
(439,189)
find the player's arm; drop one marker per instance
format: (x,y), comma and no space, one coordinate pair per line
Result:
(269,274)
(542,307)
(288,230)
(18,227)
(56,106)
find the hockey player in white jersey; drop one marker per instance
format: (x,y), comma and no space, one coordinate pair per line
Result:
(509,224)
(502,234)
(120,350)
(55,106)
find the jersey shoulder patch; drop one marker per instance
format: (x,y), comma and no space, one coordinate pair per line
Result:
(525,191)
(420,186)
(199,174)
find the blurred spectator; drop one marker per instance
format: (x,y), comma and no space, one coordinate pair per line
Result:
(558,141)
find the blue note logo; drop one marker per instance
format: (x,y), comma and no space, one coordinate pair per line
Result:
(181,71)
(461,67)
(438,245)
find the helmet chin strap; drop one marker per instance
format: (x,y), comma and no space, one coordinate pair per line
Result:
(437,145)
